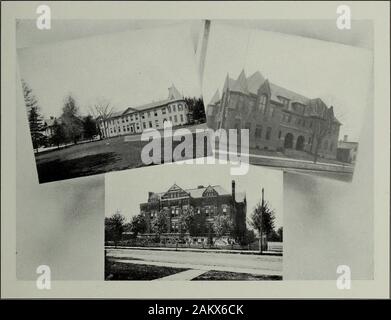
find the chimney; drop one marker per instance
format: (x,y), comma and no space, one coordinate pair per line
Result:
(233,191)
(345,138)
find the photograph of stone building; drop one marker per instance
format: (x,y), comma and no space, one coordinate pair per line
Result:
(278,119)
(295,96)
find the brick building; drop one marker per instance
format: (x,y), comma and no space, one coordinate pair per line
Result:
(208,202)
(277,118)
(136,119)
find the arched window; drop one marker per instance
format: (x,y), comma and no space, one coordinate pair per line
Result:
(262,103)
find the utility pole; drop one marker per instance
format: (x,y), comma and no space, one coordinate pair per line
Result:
(260,226)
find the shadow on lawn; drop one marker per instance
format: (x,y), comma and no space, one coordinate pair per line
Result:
(60,170)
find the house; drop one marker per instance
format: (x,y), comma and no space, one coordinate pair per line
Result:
(347,150)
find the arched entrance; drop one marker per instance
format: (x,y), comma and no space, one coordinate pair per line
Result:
(288,142)
(300,143)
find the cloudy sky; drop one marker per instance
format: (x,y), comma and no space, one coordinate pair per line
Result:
(125,190)
(127,68)
(340,75)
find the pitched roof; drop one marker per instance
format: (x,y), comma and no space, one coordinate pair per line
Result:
(216,97)
(314,107)
(255,81)
(197,192)
(173,93)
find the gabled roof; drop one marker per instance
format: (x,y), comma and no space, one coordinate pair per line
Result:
(278,91)
(255,81)
(216,97)
(240,84)
(173,93)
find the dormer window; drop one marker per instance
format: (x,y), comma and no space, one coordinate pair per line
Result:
(284,101)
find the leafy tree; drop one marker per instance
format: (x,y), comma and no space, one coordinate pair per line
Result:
(262,218)
(89,127)
(159,223)
(196,109)
(59,136)
(138,225)
(71,120)
(34,117)
(249,237)
(280,233)
(321,127)
(114,227)
(222,225)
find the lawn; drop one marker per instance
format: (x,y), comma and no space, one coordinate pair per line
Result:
(93,158)
(130,271)
(230,276)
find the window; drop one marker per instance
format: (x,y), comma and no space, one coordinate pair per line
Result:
(325,145)
(143,116)
(180,107)
(331,146)
(170,118)
(155,113)
(268,133)
(164,111)
(284,101)
(258,131)
(262,103)
(175,118)
(279,134)
(144,125)
(169,109)
(149,114)
(181,117)
(150,124)
(173,108)
(271,112)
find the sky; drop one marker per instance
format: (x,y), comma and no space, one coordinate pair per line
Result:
(125,190)
(340,75)
(127,68)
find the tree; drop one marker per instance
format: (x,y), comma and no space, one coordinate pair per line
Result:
(102,111)
(222,225)
(89,127)
(59,136)
(280,233)
(34,117)
(262,219)
(114,227)
(196,109)
(159,223)
(71,120)
(138,225)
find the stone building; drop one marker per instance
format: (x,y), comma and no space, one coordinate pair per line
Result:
(152,115)
(277,118)
(206,202)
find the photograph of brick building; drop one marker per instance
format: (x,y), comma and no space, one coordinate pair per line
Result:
(278,119)
(208,202)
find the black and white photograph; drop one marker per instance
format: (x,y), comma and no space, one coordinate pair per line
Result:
(194,223)
(302,100)
(89,100)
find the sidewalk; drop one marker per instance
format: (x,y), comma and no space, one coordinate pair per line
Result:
(204,268)
(254,252)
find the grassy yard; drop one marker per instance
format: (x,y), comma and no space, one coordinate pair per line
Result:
(229,276)
(93,158)
(130,271)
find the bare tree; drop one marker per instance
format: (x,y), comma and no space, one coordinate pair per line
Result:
(102,111)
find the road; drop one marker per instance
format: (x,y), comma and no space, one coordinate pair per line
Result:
(245,263)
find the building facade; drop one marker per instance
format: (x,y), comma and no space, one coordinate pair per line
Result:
(347,150)
(207,202)
(277,119)
(150,116)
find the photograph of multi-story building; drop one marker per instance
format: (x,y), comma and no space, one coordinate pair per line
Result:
(209,202)
(192,222)
(277,118)
(88,100)
(295,96)
(152,115)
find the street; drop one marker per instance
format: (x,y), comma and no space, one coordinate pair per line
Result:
(243,263)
